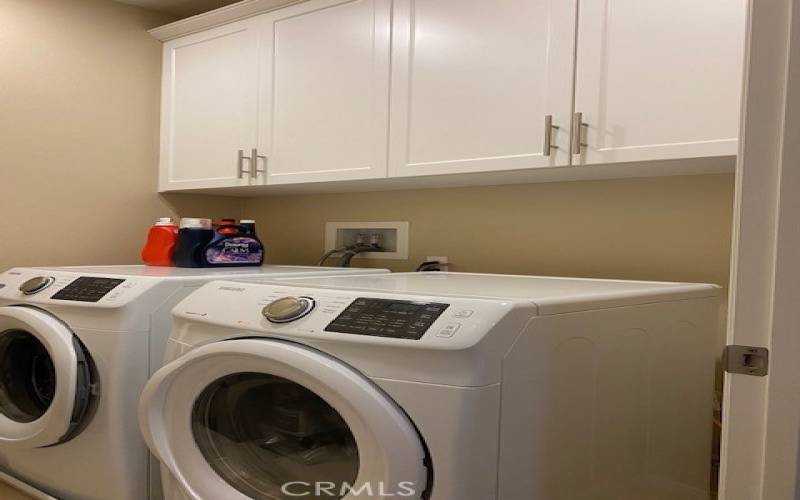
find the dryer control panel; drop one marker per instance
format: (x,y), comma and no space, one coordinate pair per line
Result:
(363,317)
(67,288)
(88,289)
(403,319)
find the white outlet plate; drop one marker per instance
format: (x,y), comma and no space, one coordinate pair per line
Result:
(333,230)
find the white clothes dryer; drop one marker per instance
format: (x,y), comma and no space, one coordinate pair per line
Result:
(441,386)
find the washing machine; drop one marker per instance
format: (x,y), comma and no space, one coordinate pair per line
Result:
(77,345)
(441,386)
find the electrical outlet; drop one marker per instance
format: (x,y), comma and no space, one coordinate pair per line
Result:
(441,260)
(391,236)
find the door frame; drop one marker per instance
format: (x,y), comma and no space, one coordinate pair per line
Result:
(761,415)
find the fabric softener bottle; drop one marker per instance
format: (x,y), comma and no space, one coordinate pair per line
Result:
(234,245)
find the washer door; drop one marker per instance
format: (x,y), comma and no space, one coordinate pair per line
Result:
(274,420)
(45,379)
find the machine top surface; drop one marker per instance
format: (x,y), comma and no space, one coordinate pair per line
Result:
(551,294)
(183,273)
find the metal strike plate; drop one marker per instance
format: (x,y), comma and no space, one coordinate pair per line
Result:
(746,360)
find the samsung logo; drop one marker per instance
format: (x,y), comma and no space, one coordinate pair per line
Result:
(231,289)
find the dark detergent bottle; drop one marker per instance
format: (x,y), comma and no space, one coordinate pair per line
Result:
(234,245)
(193,236)
(249,226)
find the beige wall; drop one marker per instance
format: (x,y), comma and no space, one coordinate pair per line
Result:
(668,228)
(79,101)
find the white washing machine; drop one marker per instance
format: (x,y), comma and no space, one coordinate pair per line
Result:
(77,345)
(444,386)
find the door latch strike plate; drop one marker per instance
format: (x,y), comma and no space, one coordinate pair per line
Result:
(746,360)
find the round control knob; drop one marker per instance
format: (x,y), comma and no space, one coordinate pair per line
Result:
(36,285)
(287,309)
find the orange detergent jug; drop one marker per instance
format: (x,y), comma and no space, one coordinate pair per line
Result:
(160,243)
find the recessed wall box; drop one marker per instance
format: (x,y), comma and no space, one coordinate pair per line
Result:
(391,236)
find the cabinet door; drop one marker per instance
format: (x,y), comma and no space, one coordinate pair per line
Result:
(473,81)
(326,82)
(209,107)
(659,79)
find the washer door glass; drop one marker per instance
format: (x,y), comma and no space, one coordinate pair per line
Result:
(27,378)
(47,393)
(272,438)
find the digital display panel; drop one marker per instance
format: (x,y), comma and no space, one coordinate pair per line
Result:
(403,307)
(88,289)
(401,319)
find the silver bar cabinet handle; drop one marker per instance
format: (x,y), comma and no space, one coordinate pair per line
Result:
(577,134)
(254,170)
(240,171)
(548,135)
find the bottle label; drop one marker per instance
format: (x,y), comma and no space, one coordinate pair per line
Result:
(241,250)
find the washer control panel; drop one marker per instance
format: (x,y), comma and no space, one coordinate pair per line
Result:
(88,289)
(402,319)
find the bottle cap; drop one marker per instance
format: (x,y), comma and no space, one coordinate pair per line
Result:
(194,223)
(164,221)
(247,221)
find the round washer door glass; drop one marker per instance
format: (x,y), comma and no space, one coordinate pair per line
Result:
(272,438)
(27,378)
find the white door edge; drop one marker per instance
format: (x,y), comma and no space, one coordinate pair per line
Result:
(761,415)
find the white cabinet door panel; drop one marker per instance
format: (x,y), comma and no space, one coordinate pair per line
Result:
(326,90)
(209,107)
(659,79)
(473,80)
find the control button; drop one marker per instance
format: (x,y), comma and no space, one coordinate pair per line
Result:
(36,285)
(463,313)
(288,309)
(449,330)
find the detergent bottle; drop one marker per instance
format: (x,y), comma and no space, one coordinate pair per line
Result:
(160,243)
(234,245)
(193,236)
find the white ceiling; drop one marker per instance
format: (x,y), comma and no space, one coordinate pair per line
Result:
(180,8)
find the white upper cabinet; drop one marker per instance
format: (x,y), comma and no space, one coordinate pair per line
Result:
(325,91)
(209,108)
(345,90)
(473,82)
(659,79)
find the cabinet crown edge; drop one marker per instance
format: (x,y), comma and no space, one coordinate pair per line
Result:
(217,17)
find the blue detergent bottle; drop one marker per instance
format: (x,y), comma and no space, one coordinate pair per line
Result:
(234,245)
(193,236)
